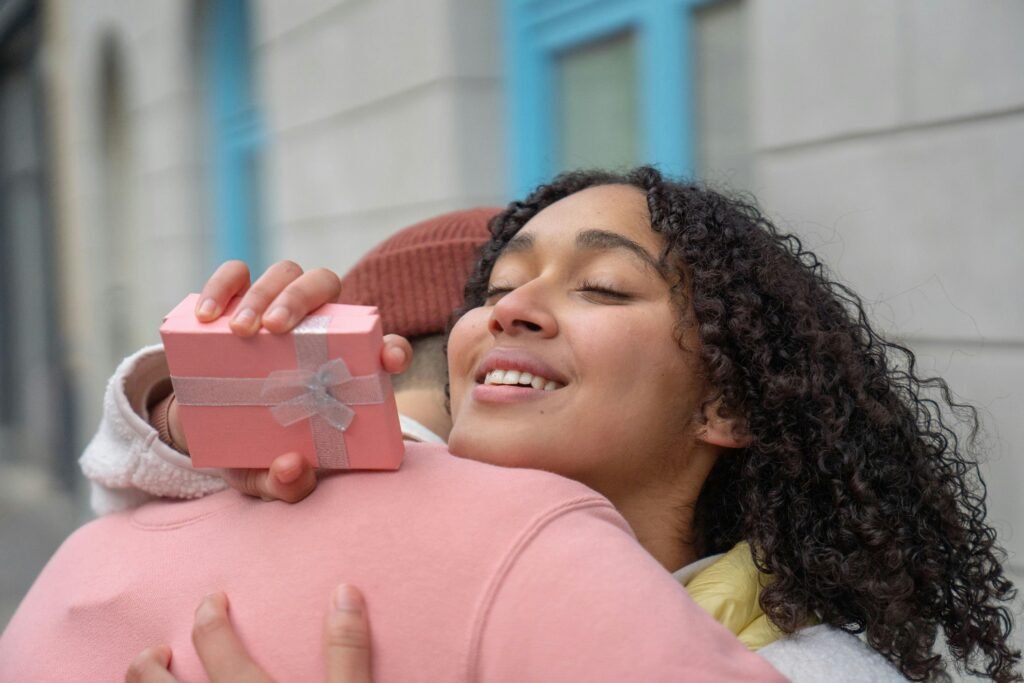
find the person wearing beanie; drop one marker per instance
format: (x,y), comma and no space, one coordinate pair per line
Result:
(415,278)
(461,560)
(472,571)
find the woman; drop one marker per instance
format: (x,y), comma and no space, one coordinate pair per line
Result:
(792,425)
(702,371)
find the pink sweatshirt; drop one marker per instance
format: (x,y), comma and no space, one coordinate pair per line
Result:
(471,572)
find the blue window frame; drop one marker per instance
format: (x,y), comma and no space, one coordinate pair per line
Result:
(538,31)
(235,133)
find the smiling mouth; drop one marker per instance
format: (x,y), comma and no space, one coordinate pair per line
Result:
(521,379)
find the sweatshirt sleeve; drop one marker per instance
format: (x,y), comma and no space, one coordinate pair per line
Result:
(125,462)
(583,601)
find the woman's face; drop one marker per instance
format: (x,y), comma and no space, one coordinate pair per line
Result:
(579,303)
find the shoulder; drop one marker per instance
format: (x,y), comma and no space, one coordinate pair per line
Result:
(821,653)
(432,463)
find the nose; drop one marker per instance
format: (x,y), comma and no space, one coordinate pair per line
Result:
(523,311)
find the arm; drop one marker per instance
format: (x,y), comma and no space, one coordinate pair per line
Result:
(128,464)
(583,601)
(125,462)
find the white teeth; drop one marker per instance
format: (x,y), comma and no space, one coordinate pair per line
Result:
(519,378)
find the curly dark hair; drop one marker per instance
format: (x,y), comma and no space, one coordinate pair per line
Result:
(858,492)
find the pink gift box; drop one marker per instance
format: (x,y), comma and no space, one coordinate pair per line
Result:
(245,401)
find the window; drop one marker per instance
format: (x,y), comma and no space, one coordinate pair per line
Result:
(610,83)
(596,101)
(234,131)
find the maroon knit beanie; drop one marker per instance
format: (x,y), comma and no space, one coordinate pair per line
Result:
(417,276)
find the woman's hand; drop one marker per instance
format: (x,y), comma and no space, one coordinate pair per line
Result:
(291,477)
(225,659)
(277,301)
(289,293)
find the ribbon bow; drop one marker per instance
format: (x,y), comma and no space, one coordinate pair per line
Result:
(296,395)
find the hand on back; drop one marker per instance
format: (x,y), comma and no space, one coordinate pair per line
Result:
(277,302)
(225,658)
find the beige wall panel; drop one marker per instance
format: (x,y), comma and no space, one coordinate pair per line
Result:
(479,131)
(161,55)
(376,51)
(822,69)
(926,223)
(474,37)
(991,377)
(964,57)
(379,158)
(166,136)
(276,19)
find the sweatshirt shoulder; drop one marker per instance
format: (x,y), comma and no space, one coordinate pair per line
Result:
(430,461)
(502,500)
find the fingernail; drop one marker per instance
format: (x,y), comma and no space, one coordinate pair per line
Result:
(245,317)
(207,610)
(290,473)
(207,309)
(279,315)
(346,599)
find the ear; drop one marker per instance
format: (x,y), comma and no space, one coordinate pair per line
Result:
(719,430)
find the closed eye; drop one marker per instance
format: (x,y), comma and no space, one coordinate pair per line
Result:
(604,291)
(494,293)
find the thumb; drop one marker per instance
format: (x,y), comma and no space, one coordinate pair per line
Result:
(347,637)
(396,354)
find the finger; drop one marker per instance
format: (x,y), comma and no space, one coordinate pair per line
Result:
(246,320)
(250,481)
(291,478)
(347,637)
(219,649)
(230,279)
(301,297)
(396,354)
(151,666)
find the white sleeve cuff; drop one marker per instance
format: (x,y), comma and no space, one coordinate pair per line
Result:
(125,461)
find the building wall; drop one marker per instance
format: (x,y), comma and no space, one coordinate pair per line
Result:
(891,136)
(131,237)
(377,113)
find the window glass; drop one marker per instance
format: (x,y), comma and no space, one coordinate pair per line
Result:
(597,108)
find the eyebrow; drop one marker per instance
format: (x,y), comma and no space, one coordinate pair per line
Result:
(592,240)
(603,240)
(518,244)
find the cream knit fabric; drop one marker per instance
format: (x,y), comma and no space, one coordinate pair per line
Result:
(125,462)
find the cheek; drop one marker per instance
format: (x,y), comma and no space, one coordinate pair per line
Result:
(641,370)
(621,348)
(465,337)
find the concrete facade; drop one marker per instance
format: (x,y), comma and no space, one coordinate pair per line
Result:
(891,137)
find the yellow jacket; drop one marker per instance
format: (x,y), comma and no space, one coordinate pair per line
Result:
(728,587)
